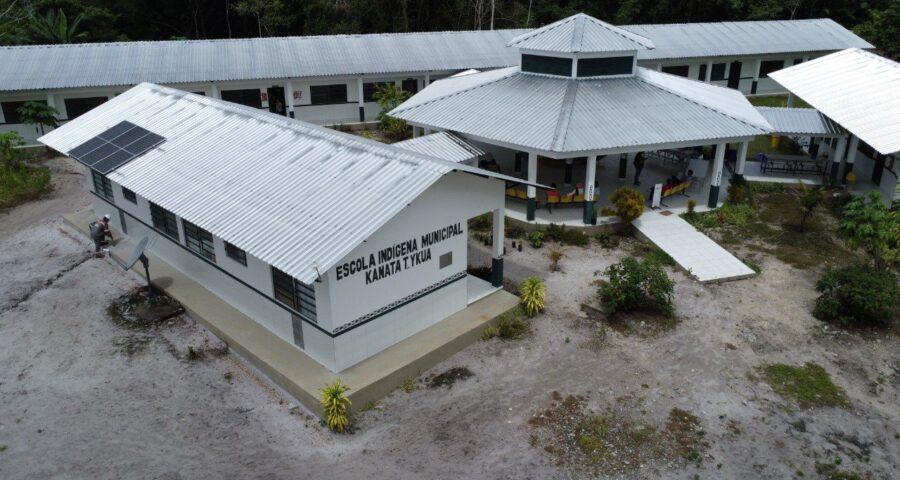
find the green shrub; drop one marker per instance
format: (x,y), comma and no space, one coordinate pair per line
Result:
(738,194)
(510,326)
(515,232)
(628,203)
(336,404)
(857,295)
(481,223)
(566,236)
(810,199)
(555,255)
(534,295)
(635,285)
(536,237)
(607,240)
(867,223)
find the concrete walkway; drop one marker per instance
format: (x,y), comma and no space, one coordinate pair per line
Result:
(691,250)
(289,367)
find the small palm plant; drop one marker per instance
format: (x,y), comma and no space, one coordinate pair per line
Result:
(534,294)
(555,254)
(336,405)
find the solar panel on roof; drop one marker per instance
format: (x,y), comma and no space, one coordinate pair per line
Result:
(117,130)
(115,147)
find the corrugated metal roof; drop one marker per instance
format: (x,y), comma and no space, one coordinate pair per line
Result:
(554,114)
(442,145)
(297,196)
(857,89)
(800,121)
(718,39)
(130,63)
(580,33)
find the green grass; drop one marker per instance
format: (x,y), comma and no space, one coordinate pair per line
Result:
(808,386)
(776,101)
(23,184)
(763,144)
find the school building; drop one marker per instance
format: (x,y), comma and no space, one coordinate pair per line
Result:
(331,79)
(339,245)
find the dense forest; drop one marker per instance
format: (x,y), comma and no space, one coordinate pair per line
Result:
(60,21)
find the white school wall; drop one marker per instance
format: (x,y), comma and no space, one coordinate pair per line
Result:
(453,199)
(256,274)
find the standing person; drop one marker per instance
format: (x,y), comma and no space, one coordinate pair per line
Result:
(638,166)
(99,233)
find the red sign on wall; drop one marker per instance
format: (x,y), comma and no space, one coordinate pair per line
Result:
(264,96)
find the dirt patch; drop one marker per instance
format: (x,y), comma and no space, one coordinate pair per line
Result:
(450,377)
(136,310)
(617,441)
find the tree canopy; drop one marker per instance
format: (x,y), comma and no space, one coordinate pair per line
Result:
(110,20)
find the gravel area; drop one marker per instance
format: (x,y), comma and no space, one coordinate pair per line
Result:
(80,399)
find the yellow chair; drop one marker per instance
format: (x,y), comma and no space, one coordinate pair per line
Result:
(521,194)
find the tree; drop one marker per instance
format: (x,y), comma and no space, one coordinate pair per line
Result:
(810,199)
(389,96)
(882,28)
(54,27)
(268,13)
(38,114)
(868,224)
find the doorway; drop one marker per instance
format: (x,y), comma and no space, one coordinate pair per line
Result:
(734,75)
(276,100)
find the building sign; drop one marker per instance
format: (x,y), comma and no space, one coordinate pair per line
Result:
(397,258)
(298,94)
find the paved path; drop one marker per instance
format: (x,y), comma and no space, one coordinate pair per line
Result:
(692,250)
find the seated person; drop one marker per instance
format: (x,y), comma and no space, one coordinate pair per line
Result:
(687,177)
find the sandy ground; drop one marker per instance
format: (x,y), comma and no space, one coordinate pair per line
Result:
(74,404)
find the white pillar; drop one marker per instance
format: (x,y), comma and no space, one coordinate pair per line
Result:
(214,91)
(716,175)
(360,100)
(498,247)
(589,178)
(741,159)
(531,190)
(427,79)
(289,97)
(51,101)
(708,72)
(658,67)
(790,100)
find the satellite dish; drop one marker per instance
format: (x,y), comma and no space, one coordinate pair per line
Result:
(136,253)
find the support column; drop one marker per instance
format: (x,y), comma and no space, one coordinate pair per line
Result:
(708,76)
(567,179)
(497,249)
(531,190)
(589,176)
(360,102)
(741,163)
(850,159)
(214,91)
(838,158)
(716,178)
(427,80)
(790,100)
(623,165)
(289,97)
(755,76)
